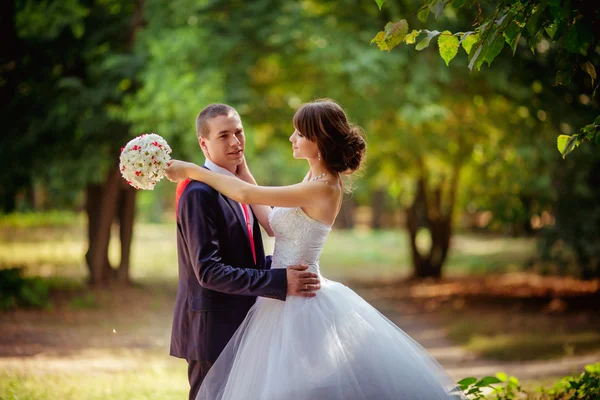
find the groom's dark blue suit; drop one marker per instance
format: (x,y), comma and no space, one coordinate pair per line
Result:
(218,279)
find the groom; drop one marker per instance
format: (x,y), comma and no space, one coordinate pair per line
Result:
(222,265)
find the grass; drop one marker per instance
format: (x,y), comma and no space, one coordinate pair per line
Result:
(511,336)
(356,253)
(114,344)
(131,377)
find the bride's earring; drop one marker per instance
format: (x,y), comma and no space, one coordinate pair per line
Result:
(319,156)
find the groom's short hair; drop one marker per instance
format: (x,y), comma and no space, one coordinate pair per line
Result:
(209,112)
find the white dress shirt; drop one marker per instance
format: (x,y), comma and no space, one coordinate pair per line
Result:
(220,170)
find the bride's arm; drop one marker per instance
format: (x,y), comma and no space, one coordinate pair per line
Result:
(299,195)
(260,211)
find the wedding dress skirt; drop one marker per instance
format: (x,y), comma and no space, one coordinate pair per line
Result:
(334,346)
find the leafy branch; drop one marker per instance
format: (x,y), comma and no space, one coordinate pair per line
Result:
(537,20)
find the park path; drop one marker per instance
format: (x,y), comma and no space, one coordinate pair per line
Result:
(459,362)
(63,340)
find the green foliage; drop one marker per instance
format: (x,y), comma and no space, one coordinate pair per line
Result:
(71,64)
(590,132)
(583,387)
(55,218)
(566,26)
(503,387)
(19,291)
(572,244)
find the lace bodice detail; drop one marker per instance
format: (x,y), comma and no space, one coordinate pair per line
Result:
(298,238)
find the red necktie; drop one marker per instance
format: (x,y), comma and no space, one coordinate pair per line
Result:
(247,215)
(178,192)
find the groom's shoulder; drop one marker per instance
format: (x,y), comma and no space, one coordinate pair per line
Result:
(195,188)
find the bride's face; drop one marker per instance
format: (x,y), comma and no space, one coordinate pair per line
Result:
(302,147)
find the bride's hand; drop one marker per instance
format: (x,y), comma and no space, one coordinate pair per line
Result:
(177,170)
(243,172)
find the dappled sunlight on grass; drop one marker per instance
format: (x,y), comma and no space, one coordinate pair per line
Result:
(131,375)
(360,253)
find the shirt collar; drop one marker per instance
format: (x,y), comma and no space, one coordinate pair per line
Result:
(216,168)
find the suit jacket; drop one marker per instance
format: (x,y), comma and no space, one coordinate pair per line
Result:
(218,280)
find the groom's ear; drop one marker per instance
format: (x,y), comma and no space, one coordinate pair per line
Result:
(202,143)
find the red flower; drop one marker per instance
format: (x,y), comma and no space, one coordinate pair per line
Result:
(138,173)
(123,169)
(136,147)
(122,148)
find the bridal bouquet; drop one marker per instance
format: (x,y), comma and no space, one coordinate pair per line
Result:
(143,161)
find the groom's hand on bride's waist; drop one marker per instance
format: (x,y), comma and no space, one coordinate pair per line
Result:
(300,282)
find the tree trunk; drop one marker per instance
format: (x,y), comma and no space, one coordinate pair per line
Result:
(110,201)
(101,208)
(126,219)
(377,208)
(431,214)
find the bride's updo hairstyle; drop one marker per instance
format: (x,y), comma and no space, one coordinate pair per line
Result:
(341,144)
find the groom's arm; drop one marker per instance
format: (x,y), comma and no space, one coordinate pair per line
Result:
(198,225)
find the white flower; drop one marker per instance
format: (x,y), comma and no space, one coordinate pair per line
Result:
(143,161)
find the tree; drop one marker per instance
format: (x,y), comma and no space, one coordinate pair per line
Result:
(70,62)
(572,27)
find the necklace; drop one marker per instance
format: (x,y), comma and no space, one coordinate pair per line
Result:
(318,177)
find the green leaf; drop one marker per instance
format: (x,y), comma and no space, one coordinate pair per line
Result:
(565,144)
(474,59)
(554,27)
(379,3)
(425,42)
(534,24)
(588,68)
(467,381)
(438,7)
(597,138)
(412,37)
(511,35)
(468,40)
(458,3)
(494,49)
(502,376)
(423,14)
(381,43)
(488,380)
(448,44)
(396,30)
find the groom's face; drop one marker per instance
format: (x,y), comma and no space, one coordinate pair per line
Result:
(224,144)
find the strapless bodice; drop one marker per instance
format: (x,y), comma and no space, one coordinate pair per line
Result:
(298,238)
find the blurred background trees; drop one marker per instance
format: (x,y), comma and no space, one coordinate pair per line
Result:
(449,151)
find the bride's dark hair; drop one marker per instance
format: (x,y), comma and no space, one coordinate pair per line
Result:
(341,144)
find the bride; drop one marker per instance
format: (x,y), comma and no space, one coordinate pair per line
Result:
(334,346)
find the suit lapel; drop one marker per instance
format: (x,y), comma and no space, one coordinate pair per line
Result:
(237,210)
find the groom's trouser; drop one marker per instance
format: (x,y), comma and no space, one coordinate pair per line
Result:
(197,370)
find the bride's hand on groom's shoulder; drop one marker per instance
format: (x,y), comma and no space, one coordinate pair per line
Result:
(176,170)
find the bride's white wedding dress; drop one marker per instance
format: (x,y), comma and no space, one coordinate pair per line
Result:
(334,346)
